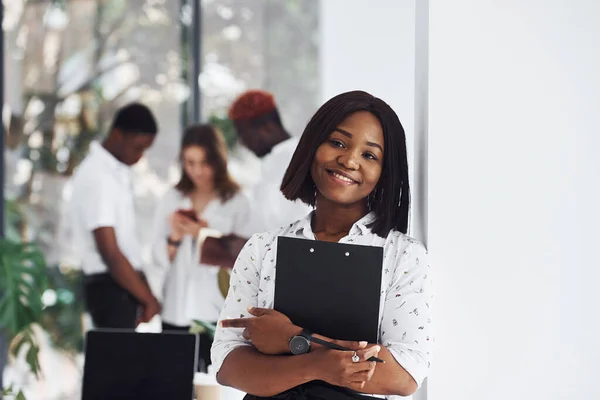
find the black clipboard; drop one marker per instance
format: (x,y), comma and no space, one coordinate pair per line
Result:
(332,289)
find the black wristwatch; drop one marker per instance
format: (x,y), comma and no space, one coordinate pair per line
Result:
(300,344)
(172,242)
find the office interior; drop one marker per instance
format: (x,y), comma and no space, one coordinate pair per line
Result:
(499,101)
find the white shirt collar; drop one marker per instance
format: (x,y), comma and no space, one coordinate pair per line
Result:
(105,157)
(304,227)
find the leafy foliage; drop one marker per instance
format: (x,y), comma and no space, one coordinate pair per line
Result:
(10,392)
(225,125)
(22,282)
(26,338)
(203,327)
(62,320)
(13,219)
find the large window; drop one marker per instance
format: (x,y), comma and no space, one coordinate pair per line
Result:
(269,44)
(69,64)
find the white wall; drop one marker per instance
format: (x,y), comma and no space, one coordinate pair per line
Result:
(514,198)
(369,45)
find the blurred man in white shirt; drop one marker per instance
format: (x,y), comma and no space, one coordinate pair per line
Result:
(116,292)
(259,128)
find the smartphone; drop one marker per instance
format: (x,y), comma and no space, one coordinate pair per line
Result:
(191,214)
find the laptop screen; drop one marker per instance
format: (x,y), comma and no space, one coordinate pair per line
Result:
(129,365)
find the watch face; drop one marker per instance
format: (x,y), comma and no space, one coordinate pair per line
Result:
(299,345)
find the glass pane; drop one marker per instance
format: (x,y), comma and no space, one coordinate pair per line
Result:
(69,65)
(272,45)
(266,44)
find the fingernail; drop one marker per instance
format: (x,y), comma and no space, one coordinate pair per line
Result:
(363,343)
(221,324)
(377,348)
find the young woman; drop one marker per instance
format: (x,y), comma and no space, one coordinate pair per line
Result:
(351,165)
(206,196)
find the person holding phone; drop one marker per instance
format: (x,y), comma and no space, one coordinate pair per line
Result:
(205,197)
(351,165)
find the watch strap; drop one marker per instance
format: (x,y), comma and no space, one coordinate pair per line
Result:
(305,333)
(172,242)
(308,335)
(327,344)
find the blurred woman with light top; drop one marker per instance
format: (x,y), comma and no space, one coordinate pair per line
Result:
(205,197)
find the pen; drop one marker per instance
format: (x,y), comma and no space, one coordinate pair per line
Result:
(335,346)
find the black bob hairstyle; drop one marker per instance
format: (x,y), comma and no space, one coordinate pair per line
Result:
(390,200)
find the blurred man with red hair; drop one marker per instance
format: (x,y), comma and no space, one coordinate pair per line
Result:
(259,128)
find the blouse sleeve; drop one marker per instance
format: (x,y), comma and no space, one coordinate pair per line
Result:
(242,214)
(243,293)
(406,328)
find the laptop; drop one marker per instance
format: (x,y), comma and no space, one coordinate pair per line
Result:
(128,365)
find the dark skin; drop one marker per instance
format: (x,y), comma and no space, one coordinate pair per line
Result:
(128,149)
(221,251)
(261,140)
(345,169)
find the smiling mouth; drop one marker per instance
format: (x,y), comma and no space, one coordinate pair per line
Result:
(343,178)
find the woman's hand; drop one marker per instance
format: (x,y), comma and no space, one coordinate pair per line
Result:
(337,367)
(175,222)
(191,227)
(269,331)
(182,225)
(149,309)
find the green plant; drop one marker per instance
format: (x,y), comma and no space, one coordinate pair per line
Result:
(24,278)
(225,125)
(22,282)
(203,327)
(10,392)
(62,318)
(13,219)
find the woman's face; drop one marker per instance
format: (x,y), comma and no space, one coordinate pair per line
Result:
(196,166)
(347,166)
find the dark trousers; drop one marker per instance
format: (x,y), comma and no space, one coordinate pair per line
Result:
(203,348)
(109,305)
(315,390)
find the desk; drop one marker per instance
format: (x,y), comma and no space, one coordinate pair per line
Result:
(207,388)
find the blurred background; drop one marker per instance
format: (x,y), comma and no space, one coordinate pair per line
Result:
(70,64)
(499,99)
